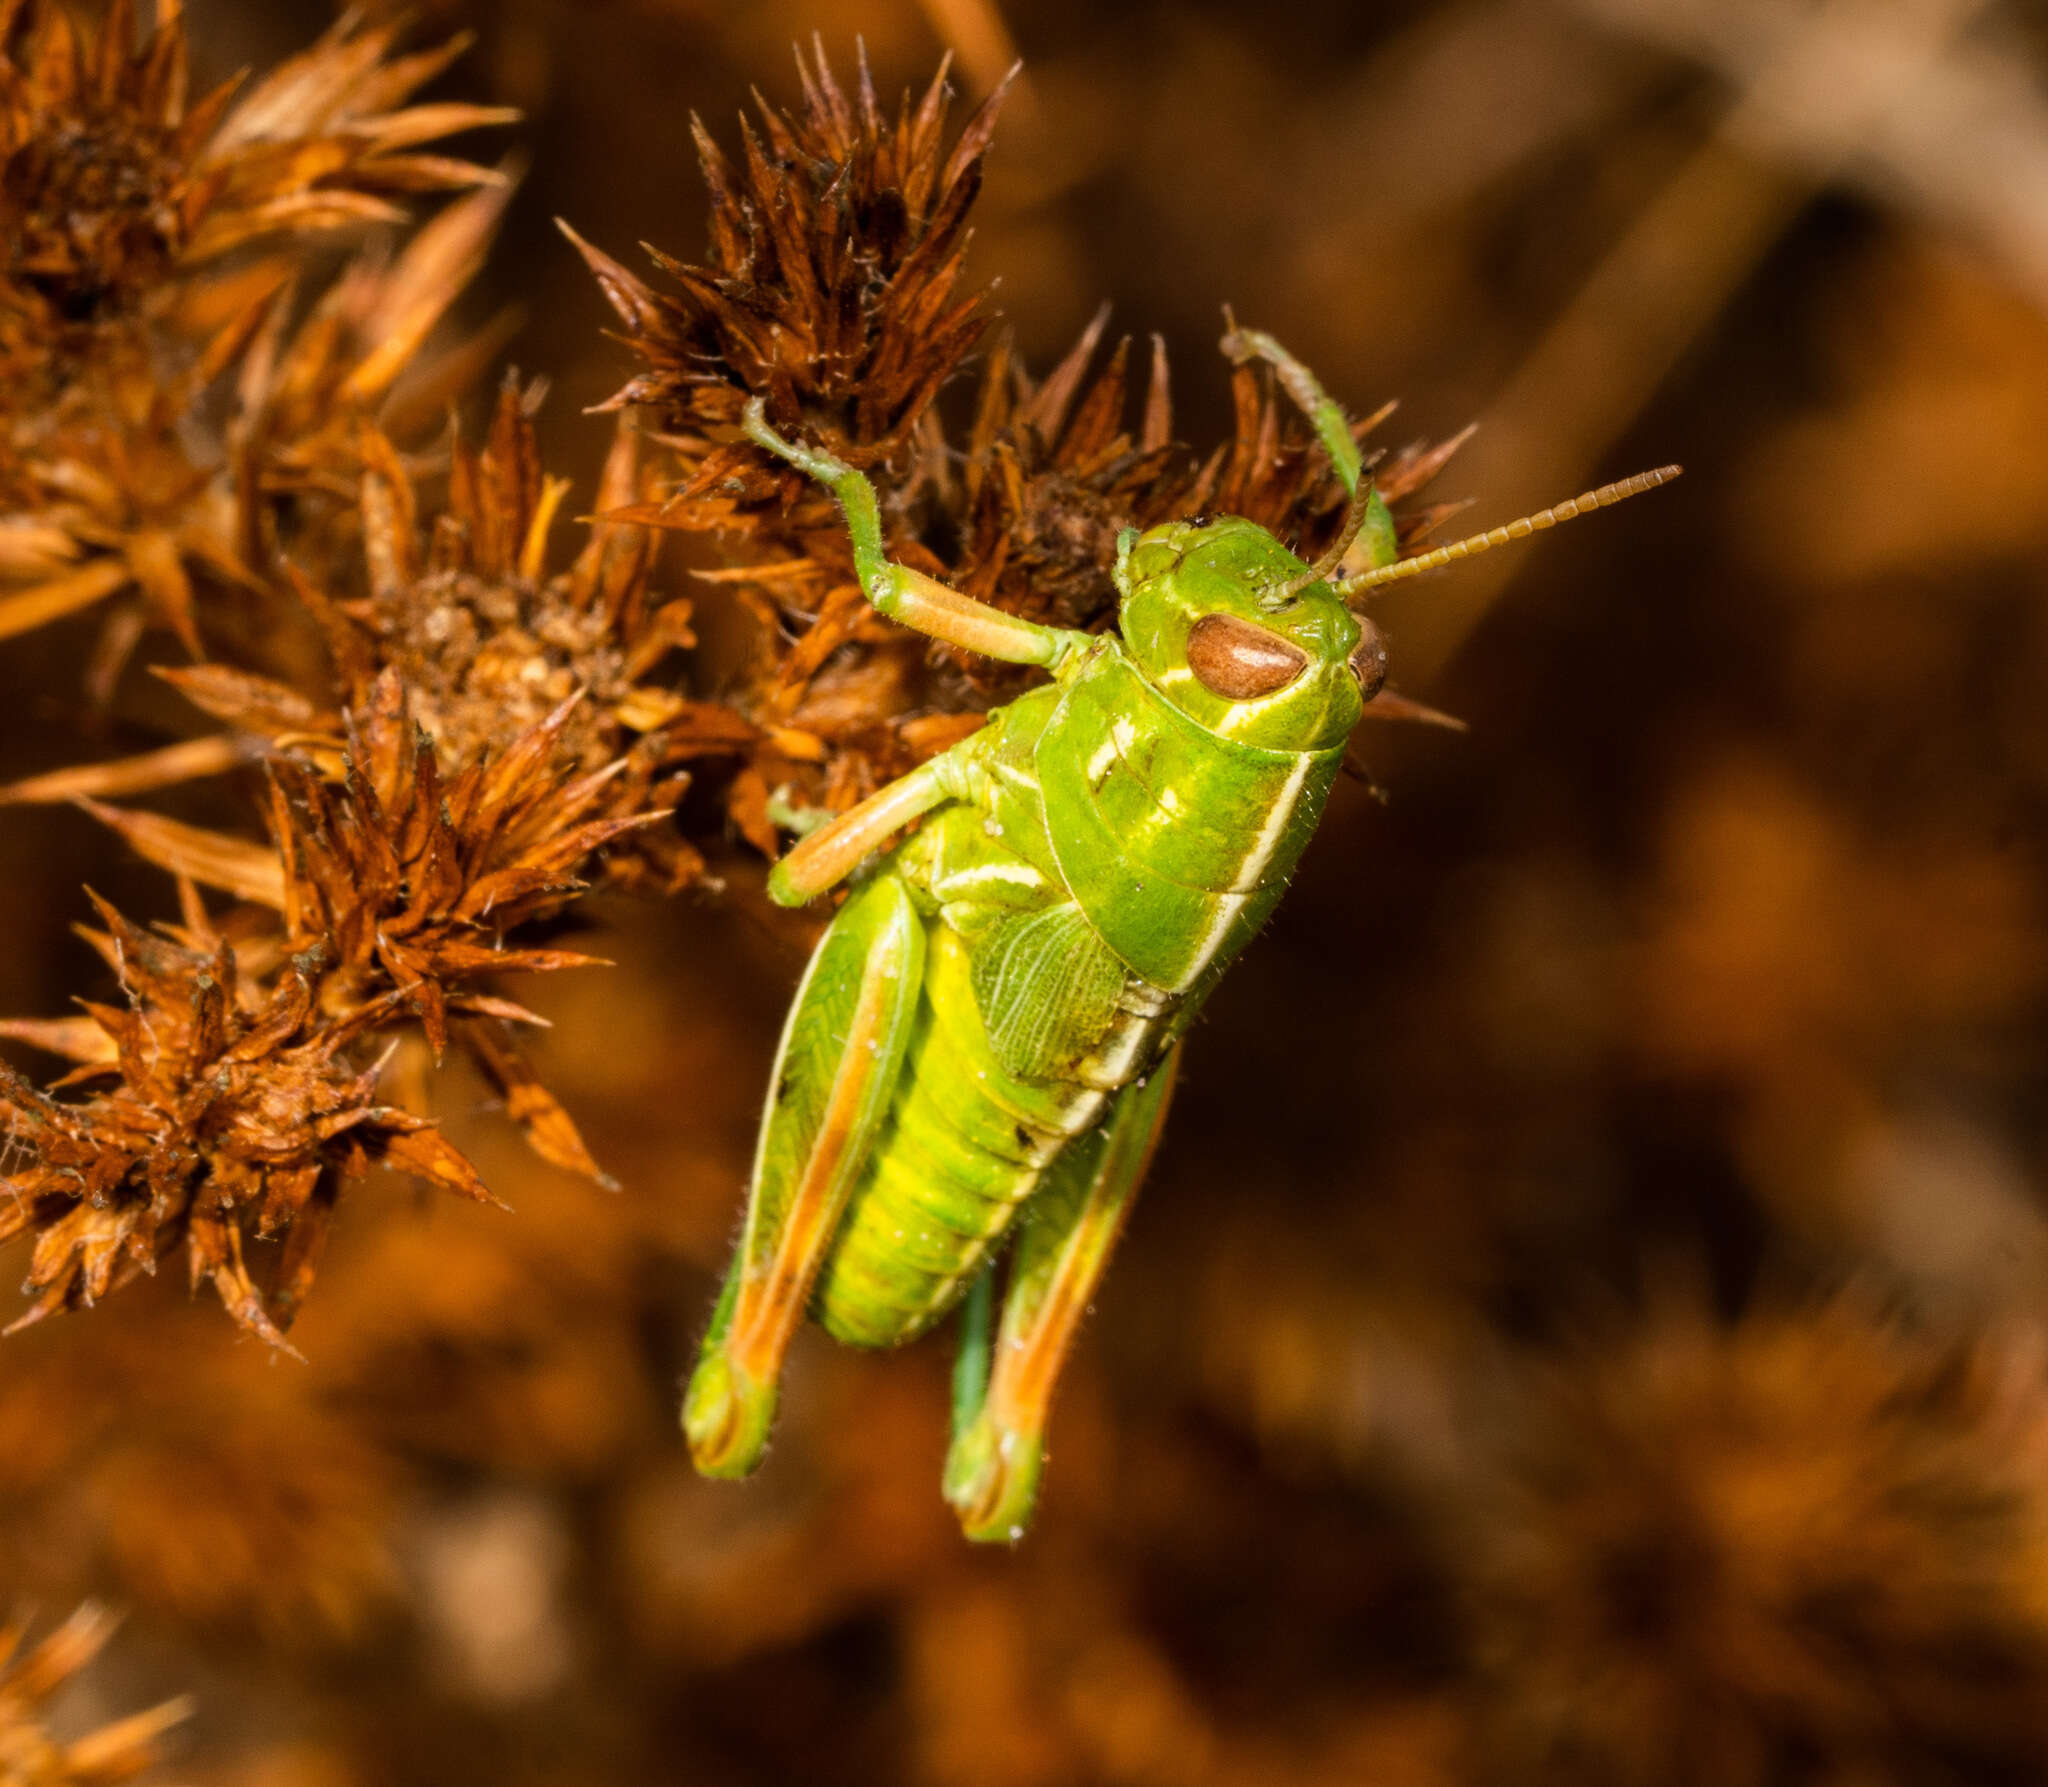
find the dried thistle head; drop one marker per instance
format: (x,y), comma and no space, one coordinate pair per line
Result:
(1812,1547)
(225,1112)
(832,291)
(416,880)
(463,616)
(831,288)
(396,884)
(29,1755)
(153,248)
(490,747)
(96,154)
(489,637)
(112,186)
(240,1096)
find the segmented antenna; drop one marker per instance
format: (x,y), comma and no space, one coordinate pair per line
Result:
(1354,520)
(1605,497)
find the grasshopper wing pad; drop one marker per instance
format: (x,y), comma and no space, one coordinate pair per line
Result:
(1048,987)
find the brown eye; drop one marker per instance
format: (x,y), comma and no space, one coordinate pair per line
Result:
(1239,660)
(1369,659)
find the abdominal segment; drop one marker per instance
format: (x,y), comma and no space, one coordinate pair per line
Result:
(964,1144)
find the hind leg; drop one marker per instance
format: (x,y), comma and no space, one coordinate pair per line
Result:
(1063,1246)
(842,1049)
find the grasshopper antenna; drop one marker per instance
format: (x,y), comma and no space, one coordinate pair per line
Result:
(1603,498)
(1354,520)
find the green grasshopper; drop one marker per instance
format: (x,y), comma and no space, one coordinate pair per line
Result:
(986,1040)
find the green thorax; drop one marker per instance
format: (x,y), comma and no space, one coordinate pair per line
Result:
(1175,840)
(1181,785)
(1171,813)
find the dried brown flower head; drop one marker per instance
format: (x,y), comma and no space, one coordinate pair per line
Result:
(152,250)
(414,881)
(461,610)
(490,641)
(832,291)
(232,1111)
(396,889)
(95,148)
(487,743)
(831,288)
(1813,1547)
(110,182)
(29,1755)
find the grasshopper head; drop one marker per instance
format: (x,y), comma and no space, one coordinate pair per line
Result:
(1233,629)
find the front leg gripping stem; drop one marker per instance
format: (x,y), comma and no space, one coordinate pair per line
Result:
(904,594)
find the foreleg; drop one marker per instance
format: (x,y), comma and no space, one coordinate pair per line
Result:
(905,595)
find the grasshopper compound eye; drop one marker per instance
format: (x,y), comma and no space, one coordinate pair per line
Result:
(1369,659)
(1240,660)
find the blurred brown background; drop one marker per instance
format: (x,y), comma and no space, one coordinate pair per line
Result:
(1586,1322)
